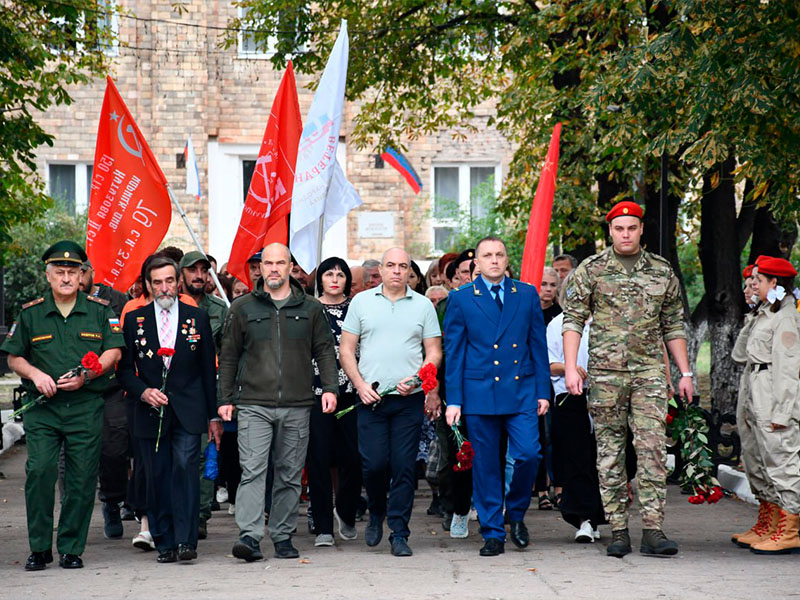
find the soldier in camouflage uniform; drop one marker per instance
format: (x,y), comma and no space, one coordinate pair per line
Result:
(634,299)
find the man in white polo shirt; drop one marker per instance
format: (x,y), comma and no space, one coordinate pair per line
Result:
(398,331)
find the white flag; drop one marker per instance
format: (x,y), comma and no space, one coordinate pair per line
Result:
(320,186)
(192,172)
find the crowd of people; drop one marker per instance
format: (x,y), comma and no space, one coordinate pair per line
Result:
(311,382)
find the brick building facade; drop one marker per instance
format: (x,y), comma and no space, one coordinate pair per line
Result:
(177,81)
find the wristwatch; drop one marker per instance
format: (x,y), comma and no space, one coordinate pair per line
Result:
(687,374)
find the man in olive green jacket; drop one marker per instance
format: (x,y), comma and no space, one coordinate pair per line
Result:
(265,371)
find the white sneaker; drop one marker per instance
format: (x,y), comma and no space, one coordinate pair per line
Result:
(222,495)
(458,526)
(324,539)
(585,533)
(596,534)
(144,541)
(346,532)
(232,509)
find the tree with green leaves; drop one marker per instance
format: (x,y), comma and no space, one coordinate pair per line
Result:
(45,48)
(703,91)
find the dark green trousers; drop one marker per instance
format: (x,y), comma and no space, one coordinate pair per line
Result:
(78,426)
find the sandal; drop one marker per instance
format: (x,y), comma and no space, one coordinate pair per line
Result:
(557,501)
(544,502)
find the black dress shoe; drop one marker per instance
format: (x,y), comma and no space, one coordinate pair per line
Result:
(38,560)
(186,552)
(70,561)
(519,534)
(400,547)
(373,532)
(492,547)
(170,556)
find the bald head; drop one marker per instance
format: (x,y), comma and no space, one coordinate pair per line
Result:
(395,267)
(396,254)
(277,247)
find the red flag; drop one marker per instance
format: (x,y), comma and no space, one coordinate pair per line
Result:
(265,216)
(129,207)
(542,209)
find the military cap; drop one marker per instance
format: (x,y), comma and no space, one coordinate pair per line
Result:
(626,208)
(776,267)
(465,255)
(748,271)
(192,258)
(255,258)
(65,253)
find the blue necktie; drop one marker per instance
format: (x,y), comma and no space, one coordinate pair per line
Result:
(496,292)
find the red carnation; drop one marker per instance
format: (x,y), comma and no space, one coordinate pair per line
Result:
(166,352)
(91,362)
(670,419)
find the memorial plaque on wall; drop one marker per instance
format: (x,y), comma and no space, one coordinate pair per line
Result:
(376,224)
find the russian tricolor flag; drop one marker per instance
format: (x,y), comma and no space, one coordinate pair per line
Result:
(400,162)
(192,172)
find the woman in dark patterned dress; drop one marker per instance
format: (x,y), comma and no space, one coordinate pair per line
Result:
(333,442)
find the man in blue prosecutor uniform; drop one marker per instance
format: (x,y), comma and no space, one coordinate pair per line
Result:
(498,377)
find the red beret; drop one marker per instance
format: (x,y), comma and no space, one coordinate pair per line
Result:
(776,267)
(626,208)
(748,271)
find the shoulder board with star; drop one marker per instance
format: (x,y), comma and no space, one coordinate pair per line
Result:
(32,303)
(466,286)
(98,300)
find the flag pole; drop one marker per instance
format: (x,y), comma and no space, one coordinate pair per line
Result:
(197,243)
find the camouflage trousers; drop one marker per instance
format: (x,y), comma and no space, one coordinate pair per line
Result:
(619,400)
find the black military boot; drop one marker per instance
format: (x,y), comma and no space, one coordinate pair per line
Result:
(620,543)
(655,542)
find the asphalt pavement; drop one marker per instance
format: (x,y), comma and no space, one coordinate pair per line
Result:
(554,566)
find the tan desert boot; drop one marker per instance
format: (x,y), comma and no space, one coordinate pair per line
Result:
(785,540)
(765,525)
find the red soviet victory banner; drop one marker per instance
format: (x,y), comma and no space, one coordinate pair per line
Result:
(541,211)
(129,206)
(265,216)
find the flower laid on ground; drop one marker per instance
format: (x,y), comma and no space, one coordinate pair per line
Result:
(89,362)
(465,452)
(166,355)
(690,429)
(426,377)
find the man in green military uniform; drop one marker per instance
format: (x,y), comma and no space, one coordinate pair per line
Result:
(634,300)
(49,338)
(194,278)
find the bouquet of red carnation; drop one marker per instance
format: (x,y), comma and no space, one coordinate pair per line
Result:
(166,355)
(426,377)
(711,496)
(465,452)
(89,362)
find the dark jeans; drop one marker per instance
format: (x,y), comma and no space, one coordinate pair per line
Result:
(113,471)
(173,486)
(333,442)
(388,439)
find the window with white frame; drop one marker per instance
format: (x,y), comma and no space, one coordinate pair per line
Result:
(70,186)
(248,46)
(95,29)
(459,191)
